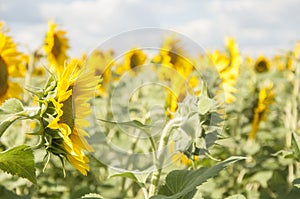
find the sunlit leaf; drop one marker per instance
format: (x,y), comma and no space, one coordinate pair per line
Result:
(295,147)
(129,175)
(133,123)
(6,123)
(204,104)
(19,161)
(180,183)
(11,106)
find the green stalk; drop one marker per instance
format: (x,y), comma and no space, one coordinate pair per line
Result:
(160,155)
(26,95)
(292,118)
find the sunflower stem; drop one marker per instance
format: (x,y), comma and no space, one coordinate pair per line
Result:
(28,76)
(27,83)
(291,119)
(160,155)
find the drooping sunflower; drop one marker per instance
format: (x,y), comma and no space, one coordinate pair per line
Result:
(265,98)
(56,45)
(176,69)
(262,64)
(171,50)
(9,64)
(132,59)
(74,88)
(173,55)
(102,63)
(228,66)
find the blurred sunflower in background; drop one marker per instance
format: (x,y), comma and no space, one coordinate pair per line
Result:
(74,88)
(181,158)
(228,65)
(133,58)
(55,46)
(265,98)
(102,62)
(177,70)
(262,64)
(9,67)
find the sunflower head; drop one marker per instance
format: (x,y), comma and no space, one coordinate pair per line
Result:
(9,67)
(262,64)
(265,98)
(132,59)
(228,66)
(55,46)
(68,107)
(172,48)
(135,58)
(3,77)
(296,51)
(102,63)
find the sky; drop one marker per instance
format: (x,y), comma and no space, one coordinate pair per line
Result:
(269,27)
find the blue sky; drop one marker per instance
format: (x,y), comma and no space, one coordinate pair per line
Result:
(268,26)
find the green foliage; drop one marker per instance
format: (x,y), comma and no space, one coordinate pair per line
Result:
(204,104)
(295,147)
(129,175)
(238,196)
(6,194)
(11,106)
(180,125)
(19,161)
(6,123)
(183,183)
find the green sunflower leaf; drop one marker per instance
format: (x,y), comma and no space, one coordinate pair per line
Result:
(5,193)
(133,123)
(11,106)
(204,104)
(129,175)
(183,183)
(19,161)
(6,123)
(295,147)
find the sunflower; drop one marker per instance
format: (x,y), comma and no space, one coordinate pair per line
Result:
(172,55)
(296,51)
(262,64)
(172,49)
(181,158)
(102,62)
(74,89)
(177,70)
(228,66)
(9,64)
(265,98)
(133,58)
(56,45)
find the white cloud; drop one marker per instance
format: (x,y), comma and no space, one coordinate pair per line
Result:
(255,24)
(31,37)
(89,23)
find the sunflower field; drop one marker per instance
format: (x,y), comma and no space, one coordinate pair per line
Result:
(156,123)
